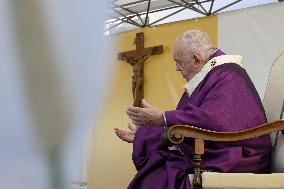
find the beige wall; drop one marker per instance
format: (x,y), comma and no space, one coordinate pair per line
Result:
(110,165)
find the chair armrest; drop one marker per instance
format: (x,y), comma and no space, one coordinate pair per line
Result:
(176,133)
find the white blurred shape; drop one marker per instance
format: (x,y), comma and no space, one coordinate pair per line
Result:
(52,77)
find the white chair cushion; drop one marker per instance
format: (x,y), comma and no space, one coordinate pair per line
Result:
(277,160)
(212,180)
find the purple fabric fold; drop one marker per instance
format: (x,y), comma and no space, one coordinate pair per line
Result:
(157,166)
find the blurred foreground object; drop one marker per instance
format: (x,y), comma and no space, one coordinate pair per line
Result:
(51,64)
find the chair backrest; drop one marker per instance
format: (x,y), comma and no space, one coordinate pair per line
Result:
(273,105)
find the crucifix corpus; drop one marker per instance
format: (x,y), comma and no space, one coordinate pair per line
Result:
(136,58)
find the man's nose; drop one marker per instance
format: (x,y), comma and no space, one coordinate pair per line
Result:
(178,68)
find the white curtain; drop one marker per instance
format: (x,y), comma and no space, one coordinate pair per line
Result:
(258,35)
(51,76)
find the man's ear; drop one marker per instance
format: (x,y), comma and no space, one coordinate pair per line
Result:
(198,59)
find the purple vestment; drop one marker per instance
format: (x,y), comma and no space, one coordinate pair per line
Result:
(226,100)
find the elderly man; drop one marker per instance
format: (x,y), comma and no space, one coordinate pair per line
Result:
(219,96)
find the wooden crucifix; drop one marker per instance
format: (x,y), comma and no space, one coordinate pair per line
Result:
(136,58)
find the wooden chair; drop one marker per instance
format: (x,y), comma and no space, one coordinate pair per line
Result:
(274,107)
(177,133)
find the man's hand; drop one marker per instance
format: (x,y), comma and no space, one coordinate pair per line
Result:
(147,115)
(126,135)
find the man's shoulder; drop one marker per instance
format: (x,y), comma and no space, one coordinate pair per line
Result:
(227,74)
(228,70)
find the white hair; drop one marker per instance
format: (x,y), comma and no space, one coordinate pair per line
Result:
(197,41)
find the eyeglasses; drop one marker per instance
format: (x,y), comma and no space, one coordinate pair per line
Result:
(179,64)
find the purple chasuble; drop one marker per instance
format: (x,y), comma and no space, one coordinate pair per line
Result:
(225,100)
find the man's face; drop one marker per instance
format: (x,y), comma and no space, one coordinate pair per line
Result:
(186,62)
